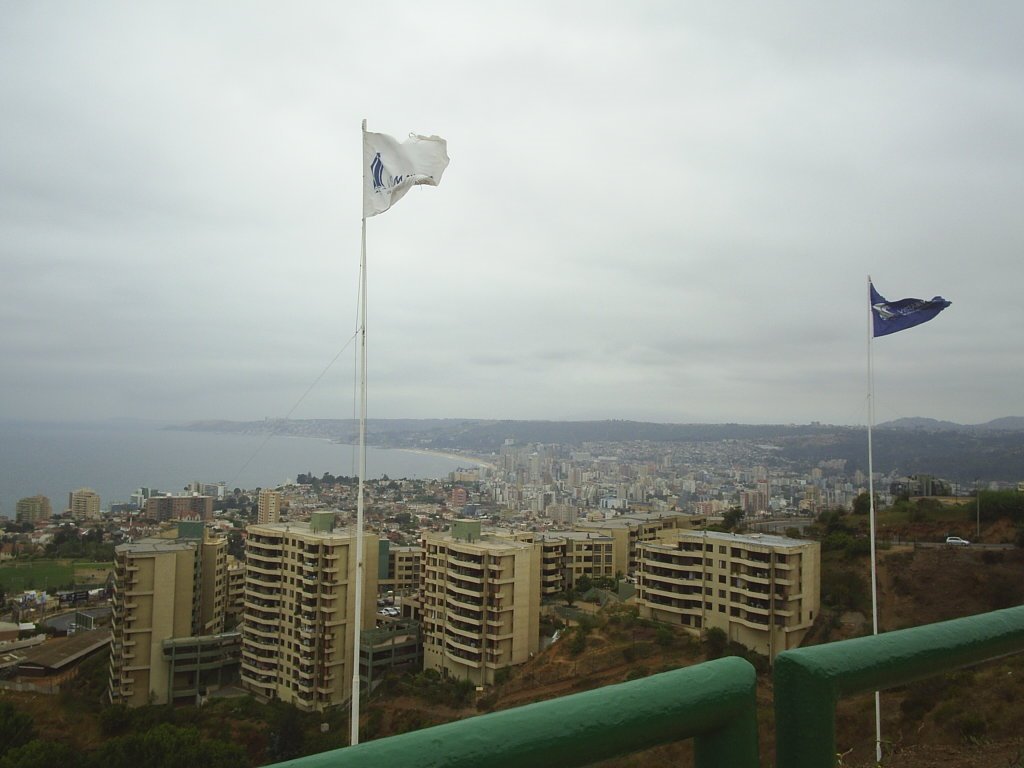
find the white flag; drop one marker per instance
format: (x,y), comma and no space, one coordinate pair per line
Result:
(390,167)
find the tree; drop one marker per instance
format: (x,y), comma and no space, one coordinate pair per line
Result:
(41,753)
(732,518)
(167,746)
(16,728)
(862,504)
(715,641)
(286,733)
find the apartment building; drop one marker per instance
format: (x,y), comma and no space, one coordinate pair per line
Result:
(480,602)
(567,556)
(165,508)
(269,507)
(630,530)
(33,509)
(399,568)
(298,634)
(762,591)
(235,605)
(168,589)
(84,504)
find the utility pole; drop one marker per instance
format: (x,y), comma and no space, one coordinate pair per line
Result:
(977,499)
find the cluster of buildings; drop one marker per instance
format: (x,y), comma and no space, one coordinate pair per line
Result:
(470,596)
(83,505)
(470,565)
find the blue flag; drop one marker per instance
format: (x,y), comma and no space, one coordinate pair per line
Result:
(892,316)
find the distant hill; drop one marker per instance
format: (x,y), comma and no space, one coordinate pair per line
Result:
(992,451)
(1005,424)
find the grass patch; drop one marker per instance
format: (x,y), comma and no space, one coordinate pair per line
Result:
(16,576)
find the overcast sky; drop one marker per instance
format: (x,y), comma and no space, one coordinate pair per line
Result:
(662,211)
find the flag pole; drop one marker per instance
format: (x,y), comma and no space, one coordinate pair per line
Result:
(358,620)
(871,516)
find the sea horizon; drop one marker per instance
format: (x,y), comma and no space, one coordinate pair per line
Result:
(116,457)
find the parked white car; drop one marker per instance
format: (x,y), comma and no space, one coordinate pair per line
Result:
(956,541)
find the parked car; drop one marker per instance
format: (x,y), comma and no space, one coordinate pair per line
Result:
(956,541)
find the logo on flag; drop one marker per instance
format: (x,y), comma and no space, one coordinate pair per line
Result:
(892,316)
(377,171)
(392,167)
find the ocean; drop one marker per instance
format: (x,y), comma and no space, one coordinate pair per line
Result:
(115,458)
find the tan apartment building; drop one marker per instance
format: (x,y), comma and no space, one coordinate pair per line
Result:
(629,530)
(298,632)
(164,508)
(84,504)
(480,602)
(399,568)
(235,606)
(569,555)
(33,509)
(762,591)
(269,507)
(166,589)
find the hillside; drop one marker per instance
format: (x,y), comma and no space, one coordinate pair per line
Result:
(954,452)
(967,719)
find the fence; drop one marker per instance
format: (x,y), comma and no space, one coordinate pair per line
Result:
(810,681)
(713,703)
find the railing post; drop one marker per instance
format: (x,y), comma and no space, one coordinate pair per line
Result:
(809,681)
(714,703)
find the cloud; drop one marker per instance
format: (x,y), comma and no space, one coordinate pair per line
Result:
(652,211)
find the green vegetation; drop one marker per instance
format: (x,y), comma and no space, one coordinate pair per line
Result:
(18,575)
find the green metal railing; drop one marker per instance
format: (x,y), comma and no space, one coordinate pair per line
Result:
(713,703)
(810,681)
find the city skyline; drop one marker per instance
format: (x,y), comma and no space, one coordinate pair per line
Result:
(652,213)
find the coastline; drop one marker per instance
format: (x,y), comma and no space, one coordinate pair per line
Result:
(472,460)
(476,460)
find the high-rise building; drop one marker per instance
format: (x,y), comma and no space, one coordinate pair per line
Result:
(84,504)
(568,556)
(32,509)
(164,508)
(269,509)
(399,568)
(168,618)
(298,636)
(762,591)
(629,530)
(480,603)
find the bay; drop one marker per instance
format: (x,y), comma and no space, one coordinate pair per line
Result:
(117,457)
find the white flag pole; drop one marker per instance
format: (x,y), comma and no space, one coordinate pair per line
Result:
(358,620)
(871,515)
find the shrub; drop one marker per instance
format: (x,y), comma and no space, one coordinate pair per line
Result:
(577,643)
(991,557)
(971,727)
(664,636)
(715,642)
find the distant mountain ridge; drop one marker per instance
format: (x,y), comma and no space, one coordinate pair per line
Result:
(992,451)
(1004,424)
